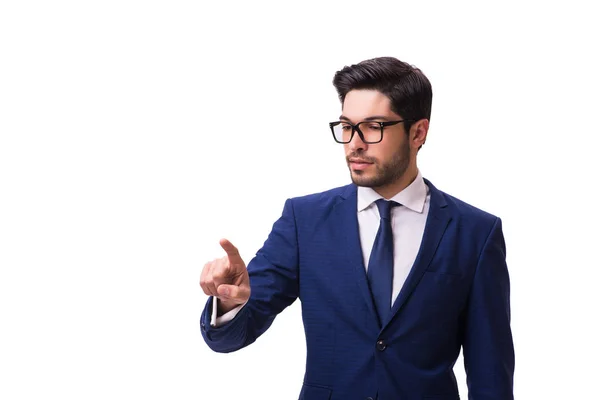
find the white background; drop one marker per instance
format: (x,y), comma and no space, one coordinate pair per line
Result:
(134,135)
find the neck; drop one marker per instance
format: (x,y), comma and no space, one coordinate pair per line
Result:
(392,189)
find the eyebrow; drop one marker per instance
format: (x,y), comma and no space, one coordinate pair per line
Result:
(373,118)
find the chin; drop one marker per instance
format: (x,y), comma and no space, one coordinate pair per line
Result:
(360,179)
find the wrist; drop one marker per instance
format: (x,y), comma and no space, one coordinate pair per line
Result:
(224,306)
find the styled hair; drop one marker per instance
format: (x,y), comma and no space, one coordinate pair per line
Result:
(406,86)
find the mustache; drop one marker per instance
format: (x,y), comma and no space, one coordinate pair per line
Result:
(361,157)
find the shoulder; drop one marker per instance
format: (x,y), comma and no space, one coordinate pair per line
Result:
(330,196)
(320,204)
(468,209)
(465,213)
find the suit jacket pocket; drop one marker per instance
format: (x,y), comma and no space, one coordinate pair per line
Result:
(311,392)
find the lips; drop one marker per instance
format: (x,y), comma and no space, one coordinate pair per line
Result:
(358,165)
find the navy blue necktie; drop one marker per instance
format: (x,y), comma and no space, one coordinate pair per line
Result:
(381,262)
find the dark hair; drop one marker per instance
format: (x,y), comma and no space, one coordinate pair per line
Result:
(406,86)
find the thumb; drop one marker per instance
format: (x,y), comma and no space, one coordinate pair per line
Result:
(238,294)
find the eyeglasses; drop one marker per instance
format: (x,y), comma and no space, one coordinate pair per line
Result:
(369,131)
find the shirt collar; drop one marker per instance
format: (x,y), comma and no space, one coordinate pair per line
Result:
(412,197)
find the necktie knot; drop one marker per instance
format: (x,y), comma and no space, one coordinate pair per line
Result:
(385,208)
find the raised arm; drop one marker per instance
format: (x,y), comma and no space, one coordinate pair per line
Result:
(273,285)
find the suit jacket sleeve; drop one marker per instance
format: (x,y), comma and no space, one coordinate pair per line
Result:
(488,346)
(274,286)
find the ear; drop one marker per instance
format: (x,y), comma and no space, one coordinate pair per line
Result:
(418,133)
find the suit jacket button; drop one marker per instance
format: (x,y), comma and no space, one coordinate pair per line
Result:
(381,346)
(369,398)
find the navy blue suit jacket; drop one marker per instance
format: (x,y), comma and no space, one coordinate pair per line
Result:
(457,294)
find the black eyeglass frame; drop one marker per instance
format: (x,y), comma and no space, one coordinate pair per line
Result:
(360,134)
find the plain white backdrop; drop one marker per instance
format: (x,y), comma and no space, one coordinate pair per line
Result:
(134,135)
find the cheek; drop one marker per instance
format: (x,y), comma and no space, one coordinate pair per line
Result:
(380,154)
(393,143)
(387,148)
(393,139)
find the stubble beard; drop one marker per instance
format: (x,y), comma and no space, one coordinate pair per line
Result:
(385,174)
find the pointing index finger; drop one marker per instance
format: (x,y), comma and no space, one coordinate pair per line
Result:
(230,249)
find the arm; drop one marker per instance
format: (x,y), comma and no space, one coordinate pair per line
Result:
(273,276)
(488,346)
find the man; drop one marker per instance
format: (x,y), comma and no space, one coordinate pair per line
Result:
(394,275)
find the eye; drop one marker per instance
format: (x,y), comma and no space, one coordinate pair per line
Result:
(374,127)
(346,127)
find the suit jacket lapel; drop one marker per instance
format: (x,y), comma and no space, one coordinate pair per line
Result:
(347,238)
(437,222)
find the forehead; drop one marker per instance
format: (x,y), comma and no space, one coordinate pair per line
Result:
(361,104)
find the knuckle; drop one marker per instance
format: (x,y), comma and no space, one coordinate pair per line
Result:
(207,267)
(219,274)
(206,281)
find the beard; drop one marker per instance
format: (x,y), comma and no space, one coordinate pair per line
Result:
(385,173)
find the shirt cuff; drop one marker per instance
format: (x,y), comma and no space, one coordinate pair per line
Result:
(228,316)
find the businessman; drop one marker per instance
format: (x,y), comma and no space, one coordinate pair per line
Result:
(393,274)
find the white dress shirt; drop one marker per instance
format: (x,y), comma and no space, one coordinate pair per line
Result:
(408,225)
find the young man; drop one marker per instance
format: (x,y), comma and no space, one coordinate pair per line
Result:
(393,274)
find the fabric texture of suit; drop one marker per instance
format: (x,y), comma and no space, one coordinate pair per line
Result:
(457,294)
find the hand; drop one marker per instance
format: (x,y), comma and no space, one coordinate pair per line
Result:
(226,278)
